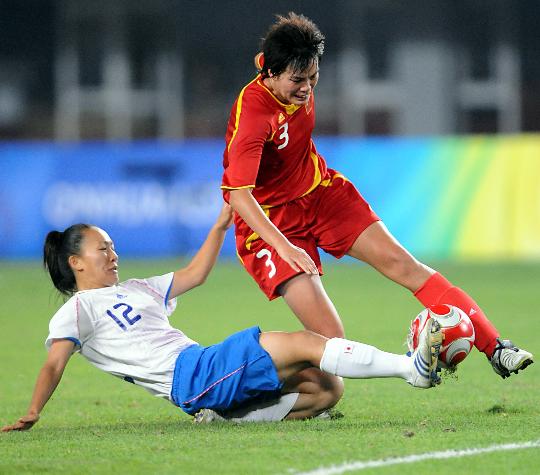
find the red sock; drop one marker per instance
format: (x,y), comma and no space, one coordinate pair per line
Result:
(438,290)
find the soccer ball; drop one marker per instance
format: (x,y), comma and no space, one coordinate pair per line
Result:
(457,330)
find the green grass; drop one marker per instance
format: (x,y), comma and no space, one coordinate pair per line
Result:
(97,424)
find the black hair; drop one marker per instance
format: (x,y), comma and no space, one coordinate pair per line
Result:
(58,247)
(294,40)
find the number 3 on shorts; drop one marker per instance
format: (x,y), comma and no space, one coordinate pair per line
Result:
(269,263)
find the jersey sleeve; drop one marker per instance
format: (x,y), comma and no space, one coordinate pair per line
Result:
(251,129)
(160,287)
(70,323)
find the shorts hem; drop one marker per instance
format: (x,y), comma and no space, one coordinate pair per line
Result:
(353,237)
(275,294)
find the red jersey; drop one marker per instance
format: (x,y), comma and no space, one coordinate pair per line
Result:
(269,147)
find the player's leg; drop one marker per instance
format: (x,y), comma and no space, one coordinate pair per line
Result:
(232,374)
(346,224)
(303,293)
(306,297)
(293,352)
(317,392)
(377,247)
(306,394)
(256,410)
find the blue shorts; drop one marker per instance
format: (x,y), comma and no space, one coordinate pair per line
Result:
(225,375)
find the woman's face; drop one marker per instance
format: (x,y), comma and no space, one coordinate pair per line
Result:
(294,87)
(97,264)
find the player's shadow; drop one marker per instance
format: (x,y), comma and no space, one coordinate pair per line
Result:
(184,423)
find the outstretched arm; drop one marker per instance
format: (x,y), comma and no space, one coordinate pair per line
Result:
(46,383)
(196,272)
(249,210)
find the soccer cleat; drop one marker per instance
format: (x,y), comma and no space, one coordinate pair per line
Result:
(207,416)
(330,414)
(508,358)
(425,358)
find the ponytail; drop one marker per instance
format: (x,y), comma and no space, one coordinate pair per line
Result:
(58,247)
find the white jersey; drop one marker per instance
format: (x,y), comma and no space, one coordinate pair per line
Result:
(124,330)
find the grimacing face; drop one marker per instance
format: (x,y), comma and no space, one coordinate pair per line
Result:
(294,87)
(96,266)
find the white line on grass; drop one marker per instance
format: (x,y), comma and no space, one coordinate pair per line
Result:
(447,454)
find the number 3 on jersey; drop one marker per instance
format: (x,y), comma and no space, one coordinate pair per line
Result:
(269,262)
(284,135)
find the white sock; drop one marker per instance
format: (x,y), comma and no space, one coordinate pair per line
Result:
(263,411)
(351,359)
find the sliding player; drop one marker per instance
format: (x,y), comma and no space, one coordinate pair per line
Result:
(123,329)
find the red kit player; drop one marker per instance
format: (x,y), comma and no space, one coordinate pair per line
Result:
(288,203)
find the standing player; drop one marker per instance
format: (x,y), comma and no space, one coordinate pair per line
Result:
(288,203)
(123,329)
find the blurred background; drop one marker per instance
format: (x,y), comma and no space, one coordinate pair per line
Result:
(113,112)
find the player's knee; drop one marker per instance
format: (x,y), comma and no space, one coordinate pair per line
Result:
(336,332)
(332,330)
(328,331)
(334,392)
(322,392)
(330,392)
(307,337)
(313,342)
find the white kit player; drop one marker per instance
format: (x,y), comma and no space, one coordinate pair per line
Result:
(123,329)
(85,319)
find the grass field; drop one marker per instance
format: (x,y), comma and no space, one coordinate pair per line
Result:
(97,424)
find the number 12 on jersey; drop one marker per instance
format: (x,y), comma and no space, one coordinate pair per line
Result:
(125,315)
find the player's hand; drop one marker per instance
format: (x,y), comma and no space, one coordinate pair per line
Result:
(298,259)
(224,220)
(24,423)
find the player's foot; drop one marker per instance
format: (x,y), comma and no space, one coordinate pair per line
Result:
(424,359)
(330,414)
(508,358)
(207,416)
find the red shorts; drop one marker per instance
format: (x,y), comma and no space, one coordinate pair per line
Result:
(330,217)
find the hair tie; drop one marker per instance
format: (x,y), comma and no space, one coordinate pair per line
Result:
(259,61)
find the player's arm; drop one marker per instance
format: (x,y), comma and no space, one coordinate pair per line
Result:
(196,272)
(249,210)
(253,127)
(47,381)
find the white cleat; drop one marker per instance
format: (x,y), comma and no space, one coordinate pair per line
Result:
(507,358)
(330,414)
(207,416)
(424,359)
